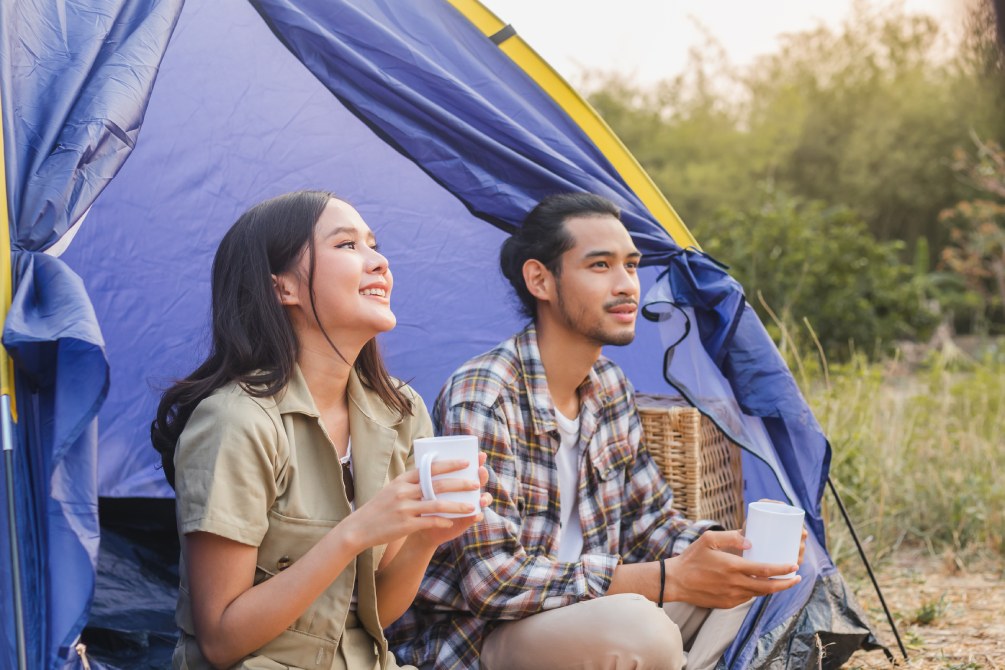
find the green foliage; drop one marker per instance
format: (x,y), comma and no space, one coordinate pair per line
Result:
(976,252)
(809,261)
(865,118)
(916,457)
(930,611)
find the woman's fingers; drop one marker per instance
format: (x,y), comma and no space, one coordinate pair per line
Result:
(438,468)
(445,466)
(443,507)
(454,484)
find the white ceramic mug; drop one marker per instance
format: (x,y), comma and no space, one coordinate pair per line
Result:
(775,531)
(449,447)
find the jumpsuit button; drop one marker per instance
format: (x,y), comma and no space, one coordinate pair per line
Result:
(284,563)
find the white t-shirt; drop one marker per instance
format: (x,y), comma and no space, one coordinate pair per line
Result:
(570,544)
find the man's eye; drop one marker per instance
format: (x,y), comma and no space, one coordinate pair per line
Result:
(600,264)
(632,266)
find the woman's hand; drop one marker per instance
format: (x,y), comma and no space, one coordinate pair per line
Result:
(405,561)
(397,510)
(438,535)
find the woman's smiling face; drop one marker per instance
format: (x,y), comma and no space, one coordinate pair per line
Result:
(352,280)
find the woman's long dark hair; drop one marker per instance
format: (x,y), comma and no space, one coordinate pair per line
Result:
(253,341)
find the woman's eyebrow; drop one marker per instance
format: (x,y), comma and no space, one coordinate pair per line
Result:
(350,230)
(341,230)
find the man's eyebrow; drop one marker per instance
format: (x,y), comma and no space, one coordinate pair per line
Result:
(601,253)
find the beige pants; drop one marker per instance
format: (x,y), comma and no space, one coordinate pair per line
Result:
(620,632)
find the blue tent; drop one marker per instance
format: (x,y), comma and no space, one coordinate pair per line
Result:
(443,128)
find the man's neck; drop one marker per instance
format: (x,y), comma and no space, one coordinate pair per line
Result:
(567,359)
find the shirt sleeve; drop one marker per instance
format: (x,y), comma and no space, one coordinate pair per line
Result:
(651,527)
(499,579)
(226,465)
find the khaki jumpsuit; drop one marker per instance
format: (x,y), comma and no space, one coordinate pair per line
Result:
(263,472)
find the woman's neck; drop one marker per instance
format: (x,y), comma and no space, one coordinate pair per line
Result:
(327,378)
(326,372)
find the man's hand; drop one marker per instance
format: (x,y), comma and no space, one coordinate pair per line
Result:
(709,573)
(802,540)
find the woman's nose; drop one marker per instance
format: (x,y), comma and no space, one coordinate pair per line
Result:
(377,262)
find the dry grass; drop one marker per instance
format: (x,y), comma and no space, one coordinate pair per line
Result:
(918,456)
(949,618)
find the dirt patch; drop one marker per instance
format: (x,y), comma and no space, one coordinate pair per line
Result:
(950,616)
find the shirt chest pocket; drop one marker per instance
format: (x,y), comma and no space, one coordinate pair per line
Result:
(534,501)
(286,542)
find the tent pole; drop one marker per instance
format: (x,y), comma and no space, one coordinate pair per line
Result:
(15,554)
(868,568)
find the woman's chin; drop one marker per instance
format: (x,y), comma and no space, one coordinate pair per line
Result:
(387,324)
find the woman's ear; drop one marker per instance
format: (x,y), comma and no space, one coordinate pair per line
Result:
(286,289)
(539,280)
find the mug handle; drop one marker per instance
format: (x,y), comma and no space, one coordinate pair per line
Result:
(426,476)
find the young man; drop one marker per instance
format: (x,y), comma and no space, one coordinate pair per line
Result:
(582,538)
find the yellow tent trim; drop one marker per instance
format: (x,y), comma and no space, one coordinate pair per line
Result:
(585,116)
(6,277)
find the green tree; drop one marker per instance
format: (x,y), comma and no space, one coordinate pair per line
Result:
(864,116)
(806,260)
(977,228)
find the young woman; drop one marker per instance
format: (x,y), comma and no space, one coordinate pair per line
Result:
(303,533)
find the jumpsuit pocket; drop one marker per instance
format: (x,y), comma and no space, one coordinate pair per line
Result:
(285,543)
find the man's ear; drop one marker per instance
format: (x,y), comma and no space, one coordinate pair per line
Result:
(286,289)
(540,282)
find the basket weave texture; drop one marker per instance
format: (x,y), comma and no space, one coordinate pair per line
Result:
(698,461)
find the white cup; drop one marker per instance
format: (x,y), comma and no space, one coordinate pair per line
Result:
(450,447)
(775,531)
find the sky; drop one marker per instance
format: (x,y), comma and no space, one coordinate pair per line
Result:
(649,39)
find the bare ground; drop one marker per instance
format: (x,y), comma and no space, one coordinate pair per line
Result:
(950,616)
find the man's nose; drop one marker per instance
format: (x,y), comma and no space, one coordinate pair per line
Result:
(627,282)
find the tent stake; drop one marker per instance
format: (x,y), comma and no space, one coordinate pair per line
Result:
(868,568)
(6,430)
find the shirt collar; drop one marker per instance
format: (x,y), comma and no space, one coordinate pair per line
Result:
(297,398)
(593,396)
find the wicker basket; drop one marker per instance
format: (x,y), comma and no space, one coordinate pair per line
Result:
(700,463)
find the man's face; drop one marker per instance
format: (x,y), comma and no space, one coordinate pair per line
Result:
(598,286)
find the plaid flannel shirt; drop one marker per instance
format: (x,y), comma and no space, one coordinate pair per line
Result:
(505,568)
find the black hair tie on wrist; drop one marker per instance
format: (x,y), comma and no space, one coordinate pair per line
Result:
(663,581)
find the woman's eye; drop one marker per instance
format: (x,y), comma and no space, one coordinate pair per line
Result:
(346,245)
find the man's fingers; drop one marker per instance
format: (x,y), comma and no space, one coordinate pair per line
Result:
(763,587)
(766,570)
(726,539)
